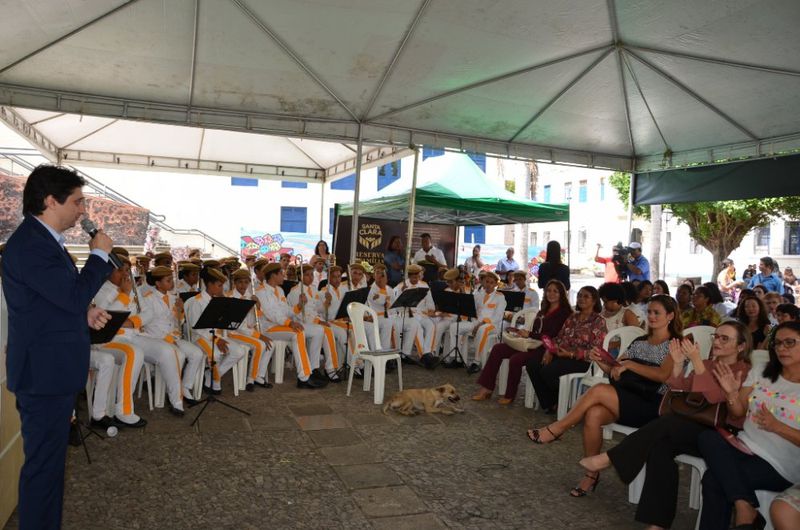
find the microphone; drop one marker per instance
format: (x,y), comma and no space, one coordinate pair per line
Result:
(90,228)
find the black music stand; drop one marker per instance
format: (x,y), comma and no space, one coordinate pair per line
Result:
(460,305)
(360,296)
(515,301)
(98,336)
(430,271)
(409,298)
(287,286)
(187,295)
(437,285)
(226,314)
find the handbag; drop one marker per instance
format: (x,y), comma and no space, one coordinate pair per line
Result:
(694,406)
(636,384)
(521,344)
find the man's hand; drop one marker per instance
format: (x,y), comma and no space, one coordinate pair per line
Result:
(266,340)
(97,318)
(296,326)
(101,242)
(222,345)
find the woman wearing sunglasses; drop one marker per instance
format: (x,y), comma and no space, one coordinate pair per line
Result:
(660,441)
(766,455)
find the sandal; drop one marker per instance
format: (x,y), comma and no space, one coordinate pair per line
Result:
(535,436)
(577,491)
(480,396)
(504,401)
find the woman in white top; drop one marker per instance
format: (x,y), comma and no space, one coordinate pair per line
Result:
(614,311)
(765,455)
(473,264)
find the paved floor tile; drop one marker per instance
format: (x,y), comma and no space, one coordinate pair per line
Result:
(334,437)
(422,521)
(321,422)
(384,502)
(362,476)
(351,455)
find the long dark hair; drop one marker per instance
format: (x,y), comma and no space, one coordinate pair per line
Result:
(675,326)
(763,317)
(663,285)
(316,248)
(774,368)
(714,295)
(391,242)
(46,180)
(597,306)
(563,301)
(553,253)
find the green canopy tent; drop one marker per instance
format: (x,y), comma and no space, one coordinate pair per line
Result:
(452,190)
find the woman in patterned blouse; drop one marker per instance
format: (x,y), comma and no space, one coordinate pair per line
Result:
(633,403)
(582,331)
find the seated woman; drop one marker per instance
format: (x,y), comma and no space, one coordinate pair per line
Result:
(660,441)
(702,313)
(615,310)
(554,312)
(684,297)
(785,509)
(633,396)
(753,313)
(660,287)
(582,332)
(631,301)
(765,455)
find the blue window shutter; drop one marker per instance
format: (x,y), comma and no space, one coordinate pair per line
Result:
(430,152)
(293,219)
(290,184)
(388,173)
(242,181)
(479,159)
(582,193)
(547,193)
(475,234)
(347,183)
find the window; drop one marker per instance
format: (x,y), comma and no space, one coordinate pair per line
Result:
(508,235)
(669,240)
(293,219)
(791,239)
(582,240)
(290,184)
(388,173)
(545,237)
(636,235)
(546,194)
(347,183)
(430,152)
(694,247)
(602,189)
(582,191)
(567,191)
(331,220)
(241,181)
(534,242)
(762,237)
(475,235)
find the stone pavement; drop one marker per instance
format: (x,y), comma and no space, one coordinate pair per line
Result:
(320,459)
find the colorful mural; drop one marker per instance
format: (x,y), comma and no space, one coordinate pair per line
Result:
(262,244)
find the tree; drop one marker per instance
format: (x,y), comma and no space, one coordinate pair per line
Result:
(718,226)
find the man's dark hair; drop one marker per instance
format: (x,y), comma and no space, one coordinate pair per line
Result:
(45,180)
(426,234)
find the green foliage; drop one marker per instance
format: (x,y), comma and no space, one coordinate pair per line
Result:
(622,183)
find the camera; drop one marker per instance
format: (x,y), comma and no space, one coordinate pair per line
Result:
(620,260)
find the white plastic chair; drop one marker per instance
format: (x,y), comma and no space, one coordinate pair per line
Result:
(145,375)
(570,385)
(759,357)
(91,380)
(502,375)
(702,337)
(373,359)
(279,360)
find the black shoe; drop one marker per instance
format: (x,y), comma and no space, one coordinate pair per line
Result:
(391,366)
(103,423)
(138,425)
(311,383)
(319,377)
(407,359)
(189,402)
(473,368)
(250,387)
(74,434)
(429,361)
(758,524)
(210,390)
(263,385)
(174,411)
(455,363)
(334,378)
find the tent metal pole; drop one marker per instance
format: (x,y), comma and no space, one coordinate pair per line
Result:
(412,207)
(569,233)
(630,208)
(321,210)
(354,226)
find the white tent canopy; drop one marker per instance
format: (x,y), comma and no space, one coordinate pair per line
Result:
(636,84)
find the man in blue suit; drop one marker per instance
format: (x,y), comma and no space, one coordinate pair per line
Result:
(48,332)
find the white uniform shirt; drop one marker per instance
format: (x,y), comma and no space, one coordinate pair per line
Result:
(165,316)
(337,295)
(379,305)
(183,287)
(490,307)
(313,312)
(273,305)
(123,302)
(531,297)
(426,304)
(248,327)
(194,308)
(435,252)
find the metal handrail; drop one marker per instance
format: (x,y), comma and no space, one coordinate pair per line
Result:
(16,154)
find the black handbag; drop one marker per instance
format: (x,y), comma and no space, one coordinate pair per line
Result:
(694,406)
(637,384)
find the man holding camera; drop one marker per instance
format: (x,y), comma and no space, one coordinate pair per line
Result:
(637,265)
(615,266)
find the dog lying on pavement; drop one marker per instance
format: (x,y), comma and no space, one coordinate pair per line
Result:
(439,400)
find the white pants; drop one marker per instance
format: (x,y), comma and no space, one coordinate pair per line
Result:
(305,358)
(168,359)
(194,363)
(102,361)
(224,361)
(341,335)
(257,369)
(130,360)
(426,334)
(323,337)
(482,336)
(409,330)
(442,329)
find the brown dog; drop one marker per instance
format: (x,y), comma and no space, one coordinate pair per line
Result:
(431,400)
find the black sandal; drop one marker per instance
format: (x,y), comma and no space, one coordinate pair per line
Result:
(535,437)
(580,492)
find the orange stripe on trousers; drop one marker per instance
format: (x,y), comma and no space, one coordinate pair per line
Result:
(127,375)
(301,345)
(488,329)
(255,343)
(203,343)
(332,346)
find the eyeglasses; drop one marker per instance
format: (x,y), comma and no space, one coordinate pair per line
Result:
(787,343)
(724,339)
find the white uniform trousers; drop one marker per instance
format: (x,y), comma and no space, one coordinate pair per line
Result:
(482,338)
(426,334)
(385,328)
(405,334)
(305,358)
(323,337)
(341,335)
(168,360)
(194,363)
(442,324)
(103,363)
(261,354)
(224,361)
(130,360)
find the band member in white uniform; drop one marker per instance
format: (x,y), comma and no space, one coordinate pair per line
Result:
(380,299)
(332,296)
(307,306)
(165,310)
(250,336)
(489,305)
(226,352)
(521,285)
(422,313)
(188,278)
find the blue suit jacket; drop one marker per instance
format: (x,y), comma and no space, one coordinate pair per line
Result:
(48,337)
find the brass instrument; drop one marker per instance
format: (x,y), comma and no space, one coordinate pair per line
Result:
(302,294)
(255,307)
(135,291)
